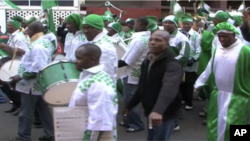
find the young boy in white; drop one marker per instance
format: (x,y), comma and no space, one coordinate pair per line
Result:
(96,90)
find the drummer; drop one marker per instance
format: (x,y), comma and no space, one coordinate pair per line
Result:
(97,91)
(133,58)
(17,41)
(49,35)
(113,30)
(75,36)
(93,29)
(37,57)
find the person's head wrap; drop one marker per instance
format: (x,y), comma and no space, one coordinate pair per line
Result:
(95,21)
(152,23)
(116,26)
(30,20)
(17,18)
(108,16)
(129,20)
(75,18)
(222,16)
(238,20)
(45,22)
(16,21)
(171,18)
(187,17)
(224,28)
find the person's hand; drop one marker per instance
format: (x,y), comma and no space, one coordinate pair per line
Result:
(245,17)
(15,79)
(125,112)
(196,90)
(125,29)
(2,45)
(155,119)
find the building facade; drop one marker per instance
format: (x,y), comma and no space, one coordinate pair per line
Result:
(156,8)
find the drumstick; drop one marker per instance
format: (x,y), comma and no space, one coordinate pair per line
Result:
(14,56)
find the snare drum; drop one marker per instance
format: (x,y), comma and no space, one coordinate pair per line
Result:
(58,80)
(121,49)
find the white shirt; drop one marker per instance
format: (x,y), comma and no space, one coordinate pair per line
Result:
(136,53)
(18,40)
(96,90)
(52,38)
(109,58)
(72,42)
(195,49)
(38,55)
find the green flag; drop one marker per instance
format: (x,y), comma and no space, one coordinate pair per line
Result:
(47,4)
(242,7)
(12,5)
(176,9)
(51,25)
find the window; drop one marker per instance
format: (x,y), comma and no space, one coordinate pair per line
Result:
(38,2)
(20,2)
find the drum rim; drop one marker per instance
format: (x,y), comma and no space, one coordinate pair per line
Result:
(55,62)
(5,63)
(62,82)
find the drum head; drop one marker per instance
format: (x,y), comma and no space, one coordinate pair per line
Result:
(58,57)
(60,94)
(6,72)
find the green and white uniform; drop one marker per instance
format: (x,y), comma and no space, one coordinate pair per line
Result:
(37,56)
(230,99)
(72,42)
(97,91)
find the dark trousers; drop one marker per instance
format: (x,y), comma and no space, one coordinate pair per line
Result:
(14,96)
(187,87)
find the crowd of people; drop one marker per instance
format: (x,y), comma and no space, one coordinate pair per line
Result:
(166,62)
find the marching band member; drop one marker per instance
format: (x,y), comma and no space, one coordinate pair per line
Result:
(37,56)
(95,90)
(49,35)
(192,64)
(74,37)
(179,43)
(230,97)
(113,30)
(93,29)
(130,26)
(16,40)
(132,59)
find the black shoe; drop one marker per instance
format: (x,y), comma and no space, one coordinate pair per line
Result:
(46,138)
(13,109)
(18,139)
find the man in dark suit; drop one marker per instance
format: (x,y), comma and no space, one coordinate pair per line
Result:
(158,88)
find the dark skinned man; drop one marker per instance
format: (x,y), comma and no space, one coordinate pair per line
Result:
(192,65)
(132,59)
(37,57)
(99,96)
(16,40)
(74,37)
(158,88)
(179,44)
(230,96)
(93,29)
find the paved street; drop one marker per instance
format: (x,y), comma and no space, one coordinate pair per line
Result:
(191,128)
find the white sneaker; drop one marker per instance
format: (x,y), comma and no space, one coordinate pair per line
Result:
(189,107)
(177,128)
